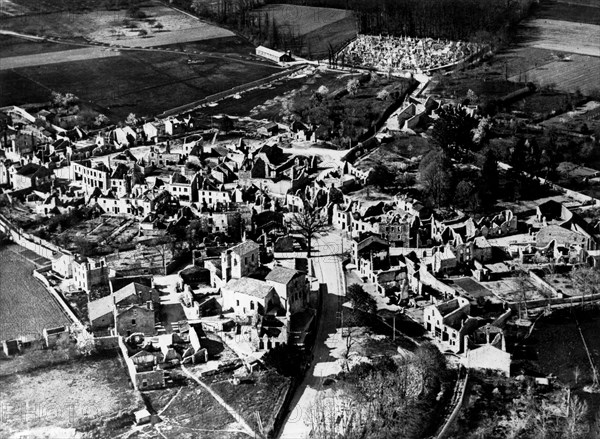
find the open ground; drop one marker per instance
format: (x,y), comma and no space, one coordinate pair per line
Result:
(319,27)
(159,26)
(564,54)
(145,83)
(26,307)
(117,82)
(59,398)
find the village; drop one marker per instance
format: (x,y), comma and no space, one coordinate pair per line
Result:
(252,265)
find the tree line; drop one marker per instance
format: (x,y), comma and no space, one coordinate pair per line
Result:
(451,19)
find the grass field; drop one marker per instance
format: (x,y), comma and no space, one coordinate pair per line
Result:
(145,83)
(13,46)
(320,27)
(579,73)
(563,36)
(580,11)
(192,413)
(73,395)
(26,307)
(117,27)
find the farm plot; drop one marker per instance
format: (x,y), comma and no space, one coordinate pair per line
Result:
(145,83)
(320,27)
(16,46)
(301,20)
(26,307)
(78,395)
(155,25)
(81,54)
(581,11)
(192,413)
(579,73)
(564,36)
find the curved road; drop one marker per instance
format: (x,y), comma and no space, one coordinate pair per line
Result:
(328,269)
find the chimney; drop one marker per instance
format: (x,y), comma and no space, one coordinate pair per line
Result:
(149,304)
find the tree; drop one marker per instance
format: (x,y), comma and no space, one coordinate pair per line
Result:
(452,131)
(360,299)
(575,426)
(587,280)
(309,223)
(100,120)
(383,95)
(63,100)
(381,175)
(489,179)
(437,176)
(131,119)
(323,90)
(466,195)
(352,86)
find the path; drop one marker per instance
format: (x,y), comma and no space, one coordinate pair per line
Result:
(235,415)
(328,269)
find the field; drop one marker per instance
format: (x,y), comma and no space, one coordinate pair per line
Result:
(558,349)
(145,83)
(117,82)
(581,11)
(578,73)
(58,399)
(563,36)
(553,48)
(15,46)
(26,307)
(191,413)
(160,24)
(320,27)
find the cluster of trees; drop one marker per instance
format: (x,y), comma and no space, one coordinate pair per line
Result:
(460,138)
(386,399)
(529,418)
(444,185)
(259,27)
(452,19)
(343,116)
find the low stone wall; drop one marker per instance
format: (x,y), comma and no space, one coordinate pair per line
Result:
(57,297)
(30,242)
(457,401)
(108,343)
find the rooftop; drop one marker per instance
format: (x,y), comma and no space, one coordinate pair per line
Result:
(281,275)
(249,286)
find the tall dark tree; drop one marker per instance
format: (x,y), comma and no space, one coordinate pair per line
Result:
(382,175)
(452,131)
(436,174)
(489,179)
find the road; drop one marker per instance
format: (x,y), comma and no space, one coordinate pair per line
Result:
(328,269)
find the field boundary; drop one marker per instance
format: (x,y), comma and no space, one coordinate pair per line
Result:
(232,91)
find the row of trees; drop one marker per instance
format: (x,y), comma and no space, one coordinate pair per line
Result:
(452,19)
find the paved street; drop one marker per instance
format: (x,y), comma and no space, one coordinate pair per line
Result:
(328,269)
